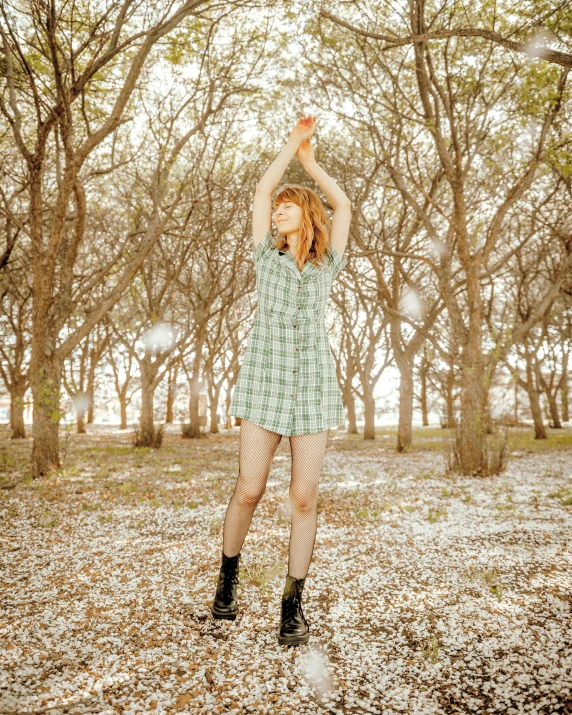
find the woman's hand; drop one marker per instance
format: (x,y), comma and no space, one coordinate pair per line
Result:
(305,152)
(304,129)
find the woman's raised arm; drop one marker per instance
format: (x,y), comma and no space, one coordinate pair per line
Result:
(337,198)
(262,206)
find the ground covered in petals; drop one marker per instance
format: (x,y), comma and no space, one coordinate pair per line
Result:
(427,593)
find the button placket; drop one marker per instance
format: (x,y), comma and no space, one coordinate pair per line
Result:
(296,336)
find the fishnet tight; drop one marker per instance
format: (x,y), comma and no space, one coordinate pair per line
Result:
(257,448)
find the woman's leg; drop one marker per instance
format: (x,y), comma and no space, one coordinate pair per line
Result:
(257,448)
(307,455)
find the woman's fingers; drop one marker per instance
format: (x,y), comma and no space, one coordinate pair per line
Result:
(309,120)
(304,128)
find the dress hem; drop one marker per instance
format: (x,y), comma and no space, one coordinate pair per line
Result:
(284,434)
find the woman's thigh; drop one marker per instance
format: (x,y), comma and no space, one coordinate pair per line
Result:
(256,452)
(307,457)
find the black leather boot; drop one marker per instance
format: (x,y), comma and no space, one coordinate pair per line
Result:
(225,605)
(294,629)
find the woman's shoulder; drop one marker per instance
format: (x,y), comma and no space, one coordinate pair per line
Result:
(265,245)
(335,261)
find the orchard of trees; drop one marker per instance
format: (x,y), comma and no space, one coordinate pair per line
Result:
(132,136)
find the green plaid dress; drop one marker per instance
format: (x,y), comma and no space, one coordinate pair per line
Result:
(287,381)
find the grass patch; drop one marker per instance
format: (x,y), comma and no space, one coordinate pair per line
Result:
(7,462)
(262,575)
(435,515)
(522,439)
(379,508)
(564,496)
(431,439)
(48,520)
(430,649)
(487,577)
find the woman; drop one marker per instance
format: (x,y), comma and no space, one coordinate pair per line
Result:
(287,383)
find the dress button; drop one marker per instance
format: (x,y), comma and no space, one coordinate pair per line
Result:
(295,350)
(293,394)
(299,287)
(297,307)
(297,327)
(295,372)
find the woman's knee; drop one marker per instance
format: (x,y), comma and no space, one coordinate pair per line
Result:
(249,496)
(304,499)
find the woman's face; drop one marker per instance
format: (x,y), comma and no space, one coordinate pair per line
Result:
(287,217)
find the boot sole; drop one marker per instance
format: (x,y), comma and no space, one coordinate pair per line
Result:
(223,616)
(293,640)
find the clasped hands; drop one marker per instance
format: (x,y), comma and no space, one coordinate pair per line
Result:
(302,133)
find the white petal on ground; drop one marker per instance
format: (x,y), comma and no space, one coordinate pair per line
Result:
(426,594)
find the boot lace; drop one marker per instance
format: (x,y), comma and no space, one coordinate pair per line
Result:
(229,580)
(291,606)
(302,614)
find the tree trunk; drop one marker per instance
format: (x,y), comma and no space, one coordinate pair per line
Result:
(404,428)
(553,407)
(171,394)
(564,389)
(169,406)
(515,403)
(350,406)
(90,401)
(194,429)
(81,406)
(123,410)
(472,433)
(45,382)
(539,428)
(90,409)
(534,399)
(449,401)
(90,390)
(214,416)
(17,409)
(228,423)
(146,422)
(94,358)
(424,411)
(369,415)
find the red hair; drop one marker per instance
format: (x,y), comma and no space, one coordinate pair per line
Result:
(313,237)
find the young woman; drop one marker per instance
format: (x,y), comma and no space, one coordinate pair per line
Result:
(287,385)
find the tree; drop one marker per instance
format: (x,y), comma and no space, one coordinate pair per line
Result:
(15,316)
(534,46)
(61,100)
(446,102)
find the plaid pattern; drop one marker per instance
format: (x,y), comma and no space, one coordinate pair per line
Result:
(287,381)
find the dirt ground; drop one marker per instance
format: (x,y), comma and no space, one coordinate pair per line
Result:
(427,593)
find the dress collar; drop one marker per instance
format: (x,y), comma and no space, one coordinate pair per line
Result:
(290,261)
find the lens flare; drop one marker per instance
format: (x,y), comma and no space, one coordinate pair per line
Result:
(537,45)
(161,335)
(411,303)
(314,665)
(439,247)
(81,403)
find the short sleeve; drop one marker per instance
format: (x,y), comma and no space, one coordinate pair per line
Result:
(335,261)
(263,247)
